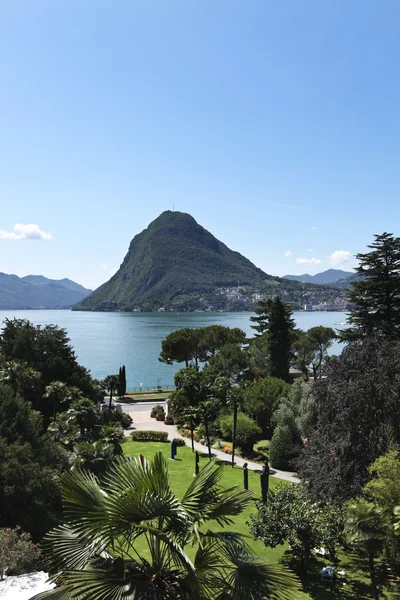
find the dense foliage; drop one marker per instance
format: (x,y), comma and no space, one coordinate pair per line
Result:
(47,351)
(357,408)
(17,551)
(30,464)
(383,490)
(262,398)
(295,419)
(365,531)
(291,516)
(247,431)
(47,424)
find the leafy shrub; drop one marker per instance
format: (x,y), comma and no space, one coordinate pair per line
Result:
(157,410)
(160,417)
(116,416)
(291,516)
(125,420)
(149,436)
(281,448)
(247,430)
(17,551)
(179,442)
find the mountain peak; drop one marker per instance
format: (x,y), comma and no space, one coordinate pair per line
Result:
(325,278)
(178,263)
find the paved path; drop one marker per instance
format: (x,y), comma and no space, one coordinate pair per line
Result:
(142,421)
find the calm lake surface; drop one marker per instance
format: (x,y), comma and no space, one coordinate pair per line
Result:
(105,341)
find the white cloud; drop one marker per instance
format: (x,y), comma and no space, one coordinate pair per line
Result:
(30,231)
(288,253)
(308,261)
(104,266)
(339,257)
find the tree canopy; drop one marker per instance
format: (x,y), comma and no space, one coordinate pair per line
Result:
(375,296)
(357,407)
(44,350)
(198,345)
(30,463)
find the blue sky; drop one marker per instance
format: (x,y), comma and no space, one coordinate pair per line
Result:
(275,124)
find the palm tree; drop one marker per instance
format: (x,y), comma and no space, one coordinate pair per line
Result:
(127,539)
(86,415)
(59,393)
(19,376)
(365,529)
(111,384)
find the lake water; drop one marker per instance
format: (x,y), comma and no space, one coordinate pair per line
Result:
(105,341)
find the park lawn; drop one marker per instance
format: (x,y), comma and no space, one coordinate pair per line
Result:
(355,583)
(181,474)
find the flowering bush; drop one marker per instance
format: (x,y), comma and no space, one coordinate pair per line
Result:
(16,550)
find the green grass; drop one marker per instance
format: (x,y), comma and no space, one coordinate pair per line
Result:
(353,585)
(181,474)
(144,397)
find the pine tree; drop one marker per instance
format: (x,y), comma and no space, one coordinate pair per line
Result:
(275,324)
(376,295)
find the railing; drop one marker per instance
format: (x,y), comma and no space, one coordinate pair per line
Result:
(155,390)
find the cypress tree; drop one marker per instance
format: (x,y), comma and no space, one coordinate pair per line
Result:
(120,383)
(375,296)
(123,380)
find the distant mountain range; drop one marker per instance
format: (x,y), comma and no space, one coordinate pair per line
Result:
(176,264)
(325,278)
(36,291)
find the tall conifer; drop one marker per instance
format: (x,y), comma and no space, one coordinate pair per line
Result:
(375,296)
(274,323)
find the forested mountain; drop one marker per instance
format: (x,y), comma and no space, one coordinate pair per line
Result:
(36,291)
(325,278)
(177,264)
(68,284)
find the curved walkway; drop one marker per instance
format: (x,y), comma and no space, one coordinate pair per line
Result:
(142,421)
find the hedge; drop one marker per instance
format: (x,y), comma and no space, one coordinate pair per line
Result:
(149,436)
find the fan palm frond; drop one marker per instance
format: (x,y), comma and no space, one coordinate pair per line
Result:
(230,502)
(83,501)
(59,593)
(67,550)
(252,578)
